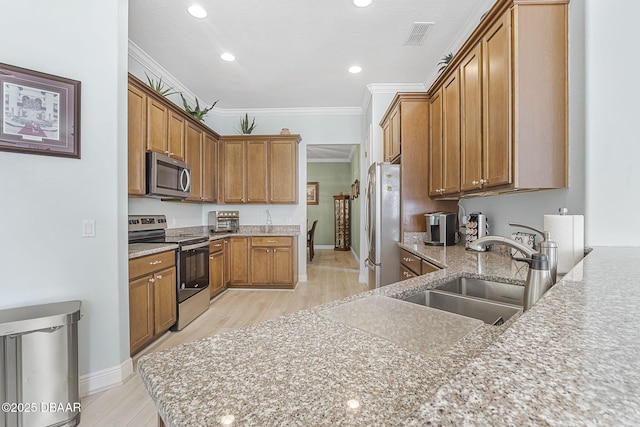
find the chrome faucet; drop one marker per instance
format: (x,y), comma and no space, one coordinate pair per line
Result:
(480,244)
(538,276)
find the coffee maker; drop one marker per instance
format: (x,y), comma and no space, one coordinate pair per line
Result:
(441,229)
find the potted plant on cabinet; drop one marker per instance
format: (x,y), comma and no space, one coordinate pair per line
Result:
(197,112)
(245,127)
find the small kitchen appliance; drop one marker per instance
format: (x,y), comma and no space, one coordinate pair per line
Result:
(224,221)
(192,263)
(476,227)
(441,229)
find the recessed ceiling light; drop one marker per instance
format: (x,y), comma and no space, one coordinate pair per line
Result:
(197,11)
(355,69)
(362,3)
(228,57)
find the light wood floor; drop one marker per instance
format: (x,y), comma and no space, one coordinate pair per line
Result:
(331,276)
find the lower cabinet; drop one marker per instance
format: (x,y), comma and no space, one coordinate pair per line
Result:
(412,265)
(238,261)
(272,263)
(152,298)
(217,282)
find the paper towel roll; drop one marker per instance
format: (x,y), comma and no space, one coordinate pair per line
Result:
(568,232)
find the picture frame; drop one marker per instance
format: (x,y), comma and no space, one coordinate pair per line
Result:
(312,193)
(40,113)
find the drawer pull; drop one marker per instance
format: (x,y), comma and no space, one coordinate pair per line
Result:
(408,259)
(159,276)
(271,241)
(156,262)
(218,245)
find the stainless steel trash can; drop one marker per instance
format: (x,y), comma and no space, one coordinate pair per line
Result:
(39,365)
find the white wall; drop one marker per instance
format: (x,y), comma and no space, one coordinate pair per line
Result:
(612,114)
(43,258)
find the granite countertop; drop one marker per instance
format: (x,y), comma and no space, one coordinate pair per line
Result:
(137,250)
(570,360)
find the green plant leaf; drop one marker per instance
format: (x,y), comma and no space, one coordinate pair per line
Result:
(245,127)
(159,86)
(197,112)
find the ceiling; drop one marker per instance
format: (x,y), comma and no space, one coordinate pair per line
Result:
(294,54)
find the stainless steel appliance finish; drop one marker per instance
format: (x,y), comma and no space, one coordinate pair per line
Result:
(39,365)
(192,262)
(489,312)
(382,226)
(167,178)
(485,289)
(476,227)
(224,221)
(538,279)
(547,247)
(441,229)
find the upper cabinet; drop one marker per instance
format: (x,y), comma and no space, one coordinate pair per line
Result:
(258,169)
(156,124)
(444,120)
(512,113)
(407,121)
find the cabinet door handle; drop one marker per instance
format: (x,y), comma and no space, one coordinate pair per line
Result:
(474,182)
(159,276)
(152,280)
(156,262)
(210,256)
(484,181)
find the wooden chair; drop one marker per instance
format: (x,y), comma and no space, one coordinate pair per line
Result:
(310,234)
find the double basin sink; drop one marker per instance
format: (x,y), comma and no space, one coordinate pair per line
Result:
(492,302)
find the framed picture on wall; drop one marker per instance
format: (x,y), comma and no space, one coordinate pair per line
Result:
(40,113)
(312,193)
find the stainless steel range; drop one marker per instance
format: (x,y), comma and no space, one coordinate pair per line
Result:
(192,262)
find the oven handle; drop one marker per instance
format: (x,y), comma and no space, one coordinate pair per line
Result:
(194,246)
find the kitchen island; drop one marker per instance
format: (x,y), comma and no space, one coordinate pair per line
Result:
(570,360)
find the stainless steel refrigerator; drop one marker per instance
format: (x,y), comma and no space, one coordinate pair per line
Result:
(382,226)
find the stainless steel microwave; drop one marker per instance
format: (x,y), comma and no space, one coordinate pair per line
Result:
(167,178)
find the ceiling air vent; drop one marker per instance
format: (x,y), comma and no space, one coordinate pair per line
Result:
(418,33)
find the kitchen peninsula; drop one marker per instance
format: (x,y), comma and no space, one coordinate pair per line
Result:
(570,360)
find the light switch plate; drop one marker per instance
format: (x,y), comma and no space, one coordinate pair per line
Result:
(88,228)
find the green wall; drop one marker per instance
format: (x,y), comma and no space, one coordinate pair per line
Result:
(333,179)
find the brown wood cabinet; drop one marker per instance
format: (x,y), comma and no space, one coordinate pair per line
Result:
(513,99)
(156,124)
(216,268)
(152,298)
(412,265)
(392,131)
(445,139)
(272,262)
(258,169)
(137,140)
(238,261)
(409,112)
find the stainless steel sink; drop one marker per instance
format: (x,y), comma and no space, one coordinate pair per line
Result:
(485,289)
(490,312)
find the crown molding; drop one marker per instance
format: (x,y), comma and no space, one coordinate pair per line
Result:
(303,111)
(374,88)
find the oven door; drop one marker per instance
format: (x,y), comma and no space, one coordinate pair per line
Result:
(193,269)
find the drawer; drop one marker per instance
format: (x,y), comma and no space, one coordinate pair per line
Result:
(405,273)
(272,241)
(427,267)
(150,263)
(216,246)
(410,261)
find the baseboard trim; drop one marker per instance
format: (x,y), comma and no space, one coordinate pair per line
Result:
(362,278)
(105,379)
(302,277)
